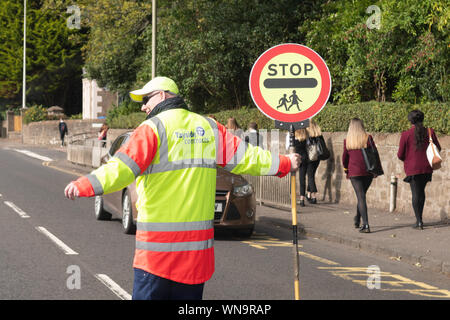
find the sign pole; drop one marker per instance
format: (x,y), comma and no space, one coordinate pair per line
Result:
(290,83)
(294,220)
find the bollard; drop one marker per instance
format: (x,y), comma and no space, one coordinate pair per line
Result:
(393,193)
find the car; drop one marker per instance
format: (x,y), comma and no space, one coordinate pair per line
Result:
(235,205)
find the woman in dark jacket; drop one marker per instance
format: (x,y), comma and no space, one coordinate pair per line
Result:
(355,169)
(314,133)
(412,151)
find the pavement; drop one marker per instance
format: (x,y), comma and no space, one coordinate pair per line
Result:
(392,235)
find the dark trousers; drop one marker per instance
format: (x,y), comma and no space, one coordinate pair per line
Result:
(418,184)
(148,286)
(309,169)
(361,185)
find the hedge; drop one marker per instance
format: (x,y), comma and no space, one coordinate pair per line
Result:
(378,117)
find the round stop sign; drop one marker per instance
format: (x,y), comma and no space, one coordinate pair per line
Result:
(290,83)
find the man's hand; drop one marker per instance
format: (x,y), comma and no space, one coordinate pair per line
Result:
(295,161)
(71,191)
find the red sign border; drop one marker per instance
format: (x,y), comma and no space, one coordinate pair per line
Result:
(260,63)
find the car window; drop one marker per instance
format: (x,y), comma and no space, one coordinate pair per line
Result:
(118,143)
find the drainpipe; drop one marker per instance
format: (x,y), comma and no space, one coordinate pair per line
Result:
(393,193)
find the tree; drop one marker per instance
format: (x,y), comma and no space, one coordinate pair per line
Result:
(116,41)
(405,59)
(207,47)
(53,61)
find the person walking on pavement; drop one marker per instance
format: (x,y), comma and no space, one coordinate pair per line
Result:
(412,151)
(301,135)
(62,126)
(174,253)
(103,134)
(314,133)
(233,127)
(355,169)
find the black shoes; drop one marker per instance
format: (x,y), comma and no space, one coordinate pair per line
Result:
(365,229)
(418,225)
(301,203)
(311,200)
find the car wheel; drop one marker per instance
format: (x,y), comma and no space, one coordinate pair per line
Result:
(99,209)
(128,224)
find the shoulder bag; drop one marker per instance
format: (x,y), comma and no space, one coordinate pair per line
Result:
(312,149)
(324,153)
(433,156)
(372,159)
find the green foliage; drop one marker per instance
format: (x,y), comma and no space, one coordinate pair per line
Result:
(53,61)
(126,115)
(34,114)
(378,117)
(405,60)
(116,41)
(209,47)
(76,116)
(130,121)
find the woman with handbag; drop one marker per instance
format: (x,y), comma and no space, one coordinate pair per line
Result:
(413,152)
(315,137)
(355,169)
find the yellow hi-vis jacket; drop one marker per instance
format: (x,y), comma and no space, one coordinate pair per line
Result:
(173,158)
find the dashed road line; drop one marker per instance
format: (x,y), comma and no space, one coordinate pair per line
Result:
(319,259)
(33,155)
(67,250)
(114,287)
(19,211)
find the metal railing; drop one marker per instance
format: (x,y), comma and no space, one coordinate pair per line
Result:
(271,190)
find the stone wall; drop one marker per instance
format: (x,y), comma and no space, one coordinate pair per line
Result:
(47,132)
(333,186)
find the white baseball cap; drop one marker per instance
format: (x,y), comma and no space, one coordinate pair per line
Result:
(156,84)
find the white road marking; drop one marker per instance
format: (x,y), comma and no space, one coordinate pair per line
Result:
(58,242)
(19,211)
(114,287)
(33,155)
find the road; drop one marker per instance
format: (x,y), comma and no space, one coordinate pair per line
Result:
(52,248)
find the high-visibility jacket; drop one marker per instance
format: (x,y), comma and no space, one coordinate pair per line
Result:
(173,157)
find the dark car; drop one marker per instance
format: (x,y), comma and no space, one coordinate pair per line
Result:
(235,205)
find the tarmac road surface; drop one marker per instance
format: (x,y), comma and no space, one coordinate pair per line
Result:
(52,248)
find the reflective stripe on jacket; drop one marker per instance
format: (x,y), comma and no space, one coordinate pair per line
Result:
(173,157)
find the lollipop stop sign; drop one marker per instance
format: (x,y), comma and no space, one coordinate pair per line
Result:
(290,83)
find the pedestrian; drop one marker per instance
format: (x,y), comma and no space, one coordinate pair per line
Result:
(233,127)
(355,169)
(412,151)
(174,254)
(253,136)
(102,134)
(301,135)
(314,134)
(62,126)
